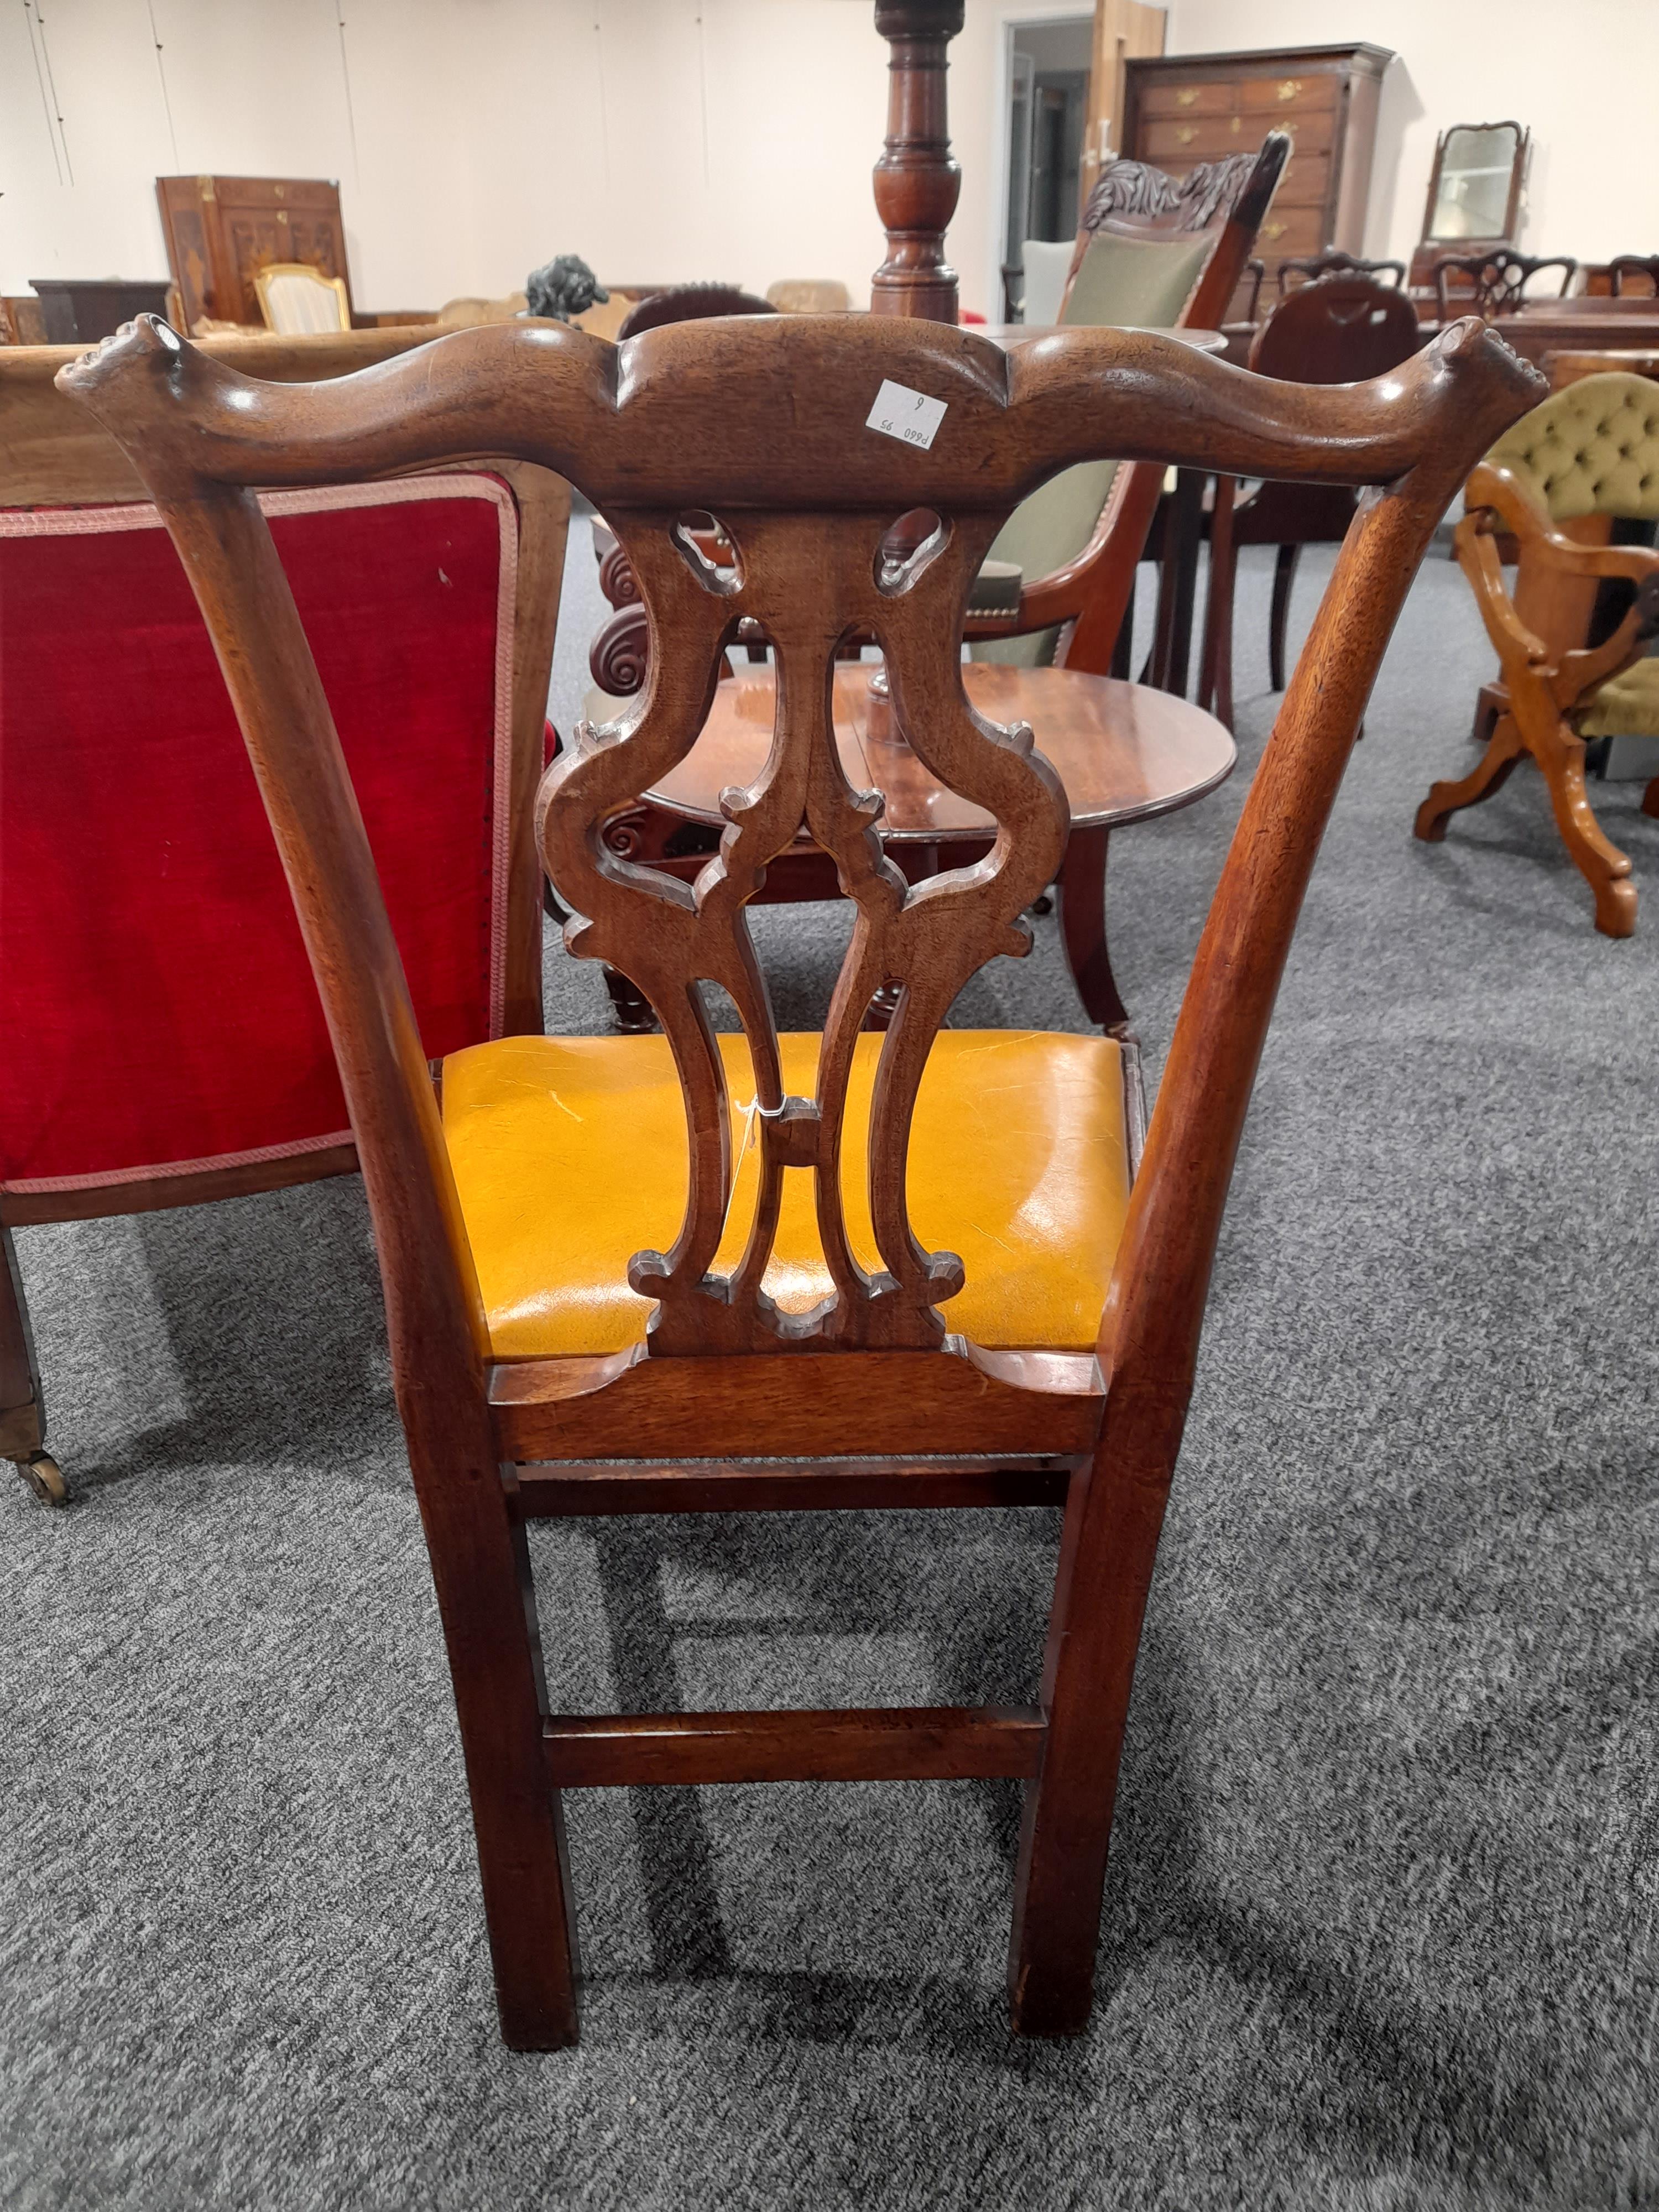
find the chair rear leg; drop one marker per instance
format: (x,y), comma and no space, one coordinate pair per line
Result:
(1107,1552)
(1650,797)
(22,1411)
(1280,615)
(486,1599)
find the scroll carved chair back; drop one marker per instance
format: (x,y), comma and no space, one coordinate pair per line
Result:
(765,426)
(1150,249)
(1493,284)
(1633,275)
(1334,264)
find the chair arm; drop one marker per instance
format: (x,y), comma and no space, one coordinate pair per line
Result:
(1500,491)
(1476,556)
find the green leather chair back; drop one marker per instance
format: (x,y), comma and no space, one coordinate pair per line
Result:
(1122,283)
(1592,448)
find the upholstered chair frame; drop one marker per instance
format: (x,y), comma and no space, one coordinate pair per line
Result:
(866,1398)
(1589,456)
(61,464)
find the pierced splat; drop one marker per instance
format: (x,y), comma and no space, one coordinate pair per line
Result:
(808,581)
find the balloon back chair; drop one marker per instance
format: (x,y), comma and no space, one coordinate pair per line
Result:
(693,1273)
(167,1043)
(1340,328)
(1554,484)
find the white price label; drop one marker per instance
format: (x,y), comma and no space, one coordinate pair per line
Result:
(910,416)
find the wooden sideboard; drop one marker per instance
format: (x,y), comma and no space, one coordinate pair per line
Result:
(1182,109)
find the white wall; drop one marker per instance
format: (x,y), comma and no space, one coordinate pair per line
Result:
(490,135)
(1580,73)
(493,134)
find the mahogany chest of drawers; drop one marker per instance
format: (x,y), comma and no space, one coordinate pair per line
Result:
(1181,109)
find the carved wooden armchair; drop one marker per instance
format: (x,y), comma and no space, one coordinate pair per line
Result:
(861,1304)
(1150,250)
(1555,482)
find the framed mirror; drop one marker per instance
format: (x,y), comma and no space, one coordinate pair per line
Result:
(1475,192)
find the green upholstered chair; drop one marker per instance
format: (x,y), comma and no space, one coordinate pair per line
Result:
(1151,252)
(1556,484)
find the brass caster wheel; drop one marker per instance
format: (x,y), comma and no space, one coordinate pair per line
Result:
(45,1478)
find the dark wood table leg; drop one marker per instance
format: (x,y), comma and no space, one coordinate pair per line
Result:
(1082,887)
(1215,675)
(629,1004)
(1186,534)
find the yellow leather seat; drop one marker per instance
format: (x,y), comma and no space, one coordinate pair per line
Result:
(569,1156)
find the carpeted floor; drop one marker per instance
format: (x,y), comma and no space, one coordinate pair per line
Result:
(1380,1927)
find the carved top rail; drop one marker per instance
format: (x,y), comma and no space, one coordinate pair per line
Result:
(766,427)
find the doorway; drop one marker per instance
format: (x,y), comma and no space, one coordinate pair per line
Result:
(1049,64)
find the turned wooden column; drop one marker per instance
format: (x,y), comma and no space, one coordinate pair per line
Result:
(916,180)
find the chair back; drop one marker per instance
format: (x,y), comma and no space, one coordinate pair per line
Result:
(164,1020)
(296,299)
(1334,264)
(1340,328)
(809,295)
(1151,252)
(1046,265)
(1493,284)
(805,438)
(1634,273)
(686,303)
(1592,448)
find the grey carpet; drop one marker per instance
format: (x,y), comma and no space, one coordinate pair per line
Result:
(1380,1928)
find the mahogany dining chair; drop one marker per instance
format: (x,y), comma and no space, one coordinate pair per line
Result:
(692,1273)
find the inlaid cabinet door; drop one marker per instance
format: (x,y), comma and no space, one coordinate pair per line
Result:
(221,231)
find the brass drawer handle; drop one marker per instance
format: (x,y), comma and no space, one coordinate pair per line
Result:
(1290,87)
(1186,134)
(1187,98)
(1236,124)
(1273,230)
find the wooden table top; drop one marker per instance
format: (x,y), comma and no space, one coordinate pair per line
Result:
(1124,753)
(1546,326)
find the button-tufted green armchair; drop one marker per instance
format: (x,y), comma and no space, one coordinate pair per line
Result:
(1556,481)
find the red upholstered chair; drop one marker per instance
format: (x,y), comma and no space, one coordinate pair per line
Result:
(165,1041)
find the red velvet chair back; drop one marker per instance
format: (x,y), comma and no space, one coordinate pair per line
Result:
(158,1007)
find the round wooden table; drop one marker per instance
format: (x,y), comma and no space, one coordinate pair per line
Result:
(1123,751)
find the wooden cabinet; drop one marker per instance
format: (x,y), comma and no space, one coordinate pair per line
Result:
(221,229)
(1182,109)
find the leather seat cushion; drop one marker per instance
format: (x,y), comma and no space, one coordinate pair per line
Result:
(1625,705)
(569,1156)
